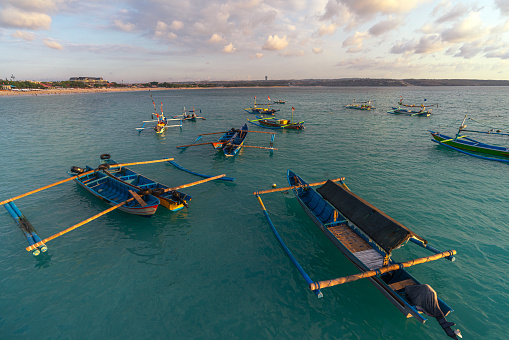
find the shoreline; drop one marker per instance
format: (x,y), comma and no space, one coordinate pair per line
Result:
(10,93)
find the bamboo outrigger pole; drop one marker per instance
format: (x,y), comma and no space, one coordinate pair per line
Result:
(35,245)
(296,186)
(370,273)
(80,175)
(194,183)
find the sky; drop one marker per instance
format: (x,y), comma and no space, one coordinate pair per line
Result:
(128,41)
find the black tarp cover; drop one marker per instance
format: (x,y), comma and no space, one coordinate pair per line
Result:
(381,228)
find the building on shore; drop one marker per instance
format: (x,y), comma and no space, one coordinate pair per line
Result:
(90,80)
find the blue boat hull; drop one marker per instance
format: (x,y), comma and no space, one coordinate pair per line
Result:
(114,192)
(326,217)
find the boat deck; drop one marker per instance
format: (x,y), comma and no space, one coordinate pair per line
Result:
(358,246)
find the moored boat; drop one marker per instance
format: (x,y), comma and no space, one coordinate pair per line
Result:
(360,105)
(367,237)
(173,200)
(233,145)
(114,192)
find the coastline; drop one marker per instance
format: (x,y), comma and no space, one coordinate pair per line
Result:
(8,93)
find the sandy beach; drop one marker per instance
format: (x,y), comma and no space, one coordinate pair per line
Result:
(75,91)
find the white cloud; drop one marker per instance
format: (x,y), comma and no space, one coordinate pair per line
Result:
(469,29)
(229,48)
(124,26)
(216,38)
(258,55)
(384,26)
(177,25)
(317,50)
(14,17)
(355,42)
(275,43)
(52,44)
(327,30)
(23,35)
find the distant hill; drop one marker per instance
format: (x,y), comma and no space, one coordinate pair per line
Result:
(354,82)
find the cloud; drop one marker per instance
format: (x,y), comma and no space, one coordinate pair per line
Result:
(426,45)
(355,41)
(455,13)
(467,30)
(274,43)
(258,55)
(23,35)
(52,44)
(216,38)
(384,26)
(298,53)
(469,50)
(503,6)
(317,50)
(229,48)
(327,30)
(429,44)
(177,25)
(126,27)
(14,17)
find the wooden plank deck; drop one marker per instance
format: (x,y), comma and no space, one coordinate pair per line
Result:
(358,246)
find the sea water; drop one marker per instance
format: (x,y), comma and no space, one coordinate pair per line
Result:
(215,270)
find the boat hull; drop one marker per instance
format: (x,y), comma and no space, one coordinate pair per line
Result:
(470,145)
(114,192)
(329,220)
(139,182)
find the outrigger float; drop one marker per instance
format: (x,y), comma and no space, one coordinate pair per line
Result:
(232,141)
(367,237)
(463,144)
(122,188)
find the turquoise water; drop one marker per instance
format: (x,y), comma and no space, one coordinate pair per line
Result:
(215,270)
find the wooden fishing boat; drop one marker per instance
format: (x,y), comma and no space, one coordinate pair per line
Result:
(127,191)
(360,105)
(232,141)
(411,109)
(469,144)
(273,123)
(367,237)
(172,200)
(114,191)
(257,109)
(279,102)
(189,116)
(233,145)
(162,123)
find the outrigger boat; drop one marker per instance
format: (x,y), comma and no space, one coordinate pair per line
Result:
(161,121)
(256,109)
(130,197)
(232,141)
(173,200)
(367,237)
(467,145)
(411,112)
(273,123)
(361,105)
(191,117)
